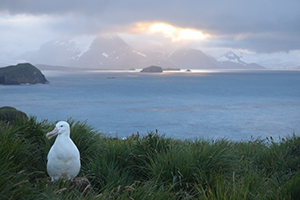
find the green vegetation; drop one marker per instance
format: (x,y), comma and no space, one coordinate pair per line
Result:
(10,114)
(148,167)
(20,74)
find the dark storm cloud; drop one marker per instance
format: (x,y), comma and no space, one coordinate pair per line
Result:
(258,25)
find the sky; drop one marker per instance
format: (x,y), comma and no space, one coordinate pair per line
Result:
(261,29)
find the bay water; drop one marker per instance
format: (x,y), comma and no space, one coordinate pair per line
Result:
(184,105)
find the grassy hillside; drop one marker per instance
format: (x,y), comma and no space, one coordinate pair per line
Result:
(10,114)
(148,167)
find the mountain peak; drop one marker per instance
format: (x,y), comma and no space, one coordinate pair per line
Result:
(109,42)
(192,59)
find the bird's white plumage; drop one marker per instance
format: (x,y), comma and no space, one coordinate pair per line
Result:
(63,157)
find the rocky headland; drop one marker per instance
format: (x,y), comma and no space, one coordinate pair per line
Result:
(23,73)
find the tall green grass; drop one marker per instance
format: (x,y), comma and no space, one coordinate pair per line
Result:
(148,167)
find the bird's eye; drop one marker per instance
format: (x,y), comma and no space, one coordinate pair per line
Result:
(61,126)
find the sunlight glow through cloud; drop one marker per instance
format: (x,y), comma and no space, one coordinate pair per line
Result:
(170,31)
(177,33)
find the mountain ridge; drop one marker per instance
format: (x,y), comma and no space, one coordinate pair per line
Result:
(112,52)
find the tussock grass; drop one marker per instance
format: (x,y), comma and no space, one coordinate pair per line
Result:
(148,167)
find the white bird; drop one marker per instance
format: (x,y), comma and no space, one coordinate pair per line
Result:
(63,157)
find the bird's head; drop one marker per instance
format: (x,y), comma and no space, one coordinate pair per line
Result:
(61,128)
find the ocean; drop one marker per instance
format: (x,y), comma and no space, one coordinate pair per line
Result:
(235,105)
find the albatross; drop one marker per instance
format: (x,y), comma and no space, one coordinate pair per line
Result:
(63,157)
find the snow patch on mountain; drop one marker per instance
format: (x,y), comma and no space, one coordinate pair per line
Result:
(82,44)
(232,57)
(139,53)
(105,55)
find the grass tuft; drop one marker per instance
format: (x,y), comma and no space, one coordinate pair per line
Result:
(148,167)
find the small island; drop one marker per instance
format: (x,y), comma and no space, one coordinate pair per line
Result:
(23,73)
(152,69)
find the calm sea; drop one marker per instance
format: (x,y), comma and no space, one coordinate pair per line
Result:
(233,104)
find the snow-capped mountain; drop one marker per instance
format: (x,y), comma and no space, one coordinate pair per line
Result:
(104,52)
(230,60)
(55,52)
(112,52)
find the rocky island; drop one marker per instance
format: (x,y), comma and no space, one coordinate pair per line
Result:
(152,69)
(21,74)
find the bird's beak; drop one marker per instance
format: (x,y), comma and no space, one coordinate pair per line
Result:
(52,133)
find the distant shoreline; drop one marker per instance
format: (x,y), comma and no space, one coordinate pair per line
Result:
(67,70)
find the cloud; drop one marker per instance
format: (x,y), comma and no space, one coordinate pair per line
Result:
(54,7)
(257,25)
